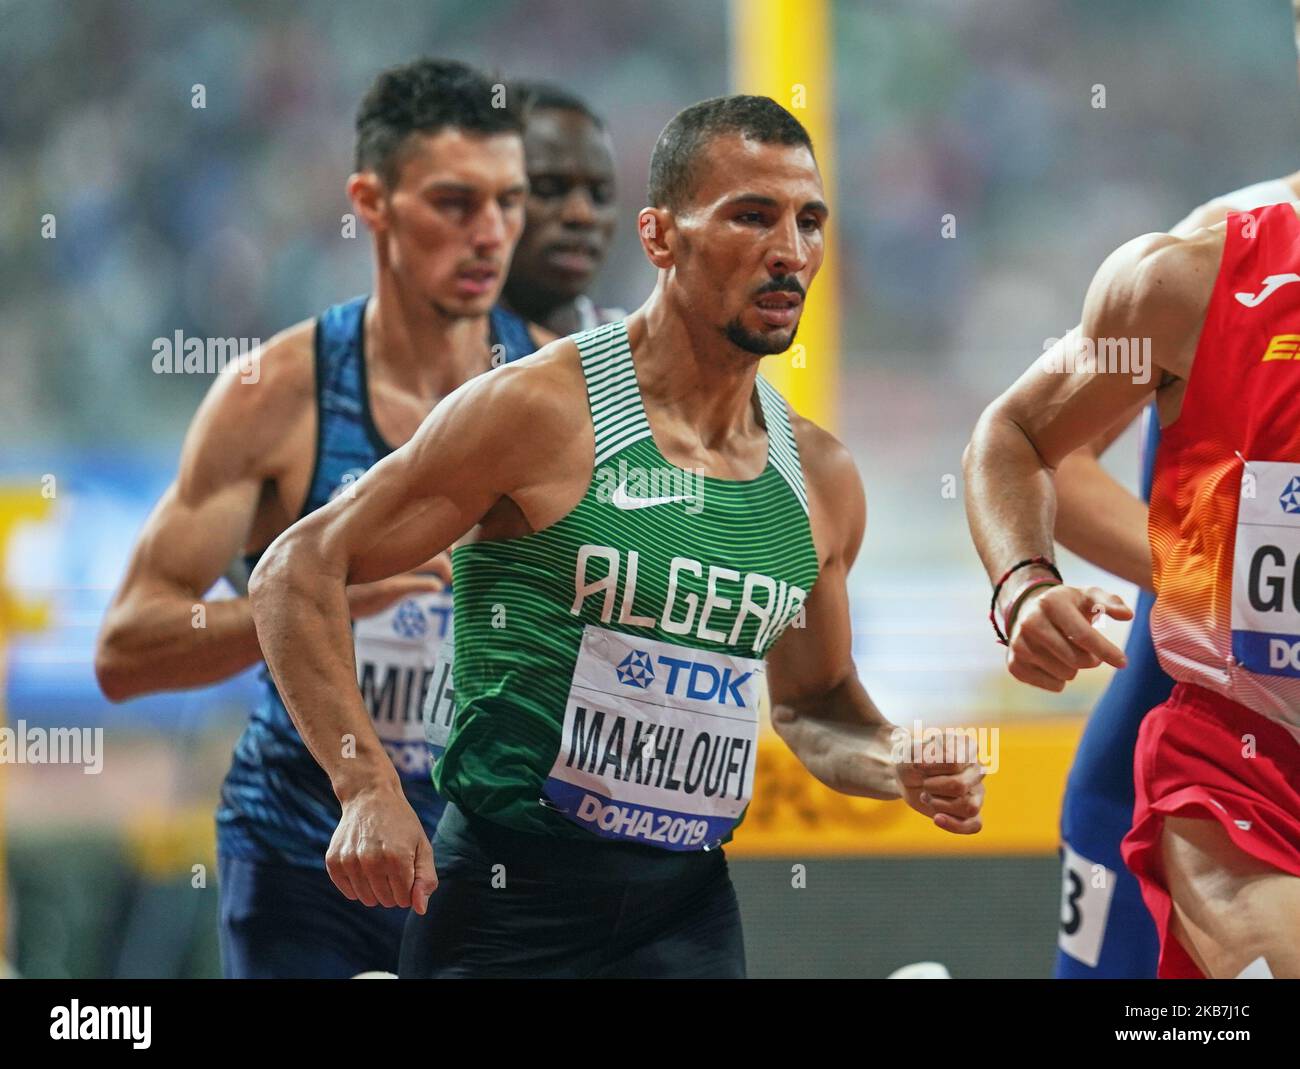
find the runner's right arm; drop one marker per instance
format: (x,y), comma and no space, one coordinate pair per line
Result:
(1156,286)
(160,632)
(1096,516)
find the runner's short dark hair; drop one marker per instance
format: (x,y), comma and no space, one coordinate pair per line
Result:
(426,96)
(672,165)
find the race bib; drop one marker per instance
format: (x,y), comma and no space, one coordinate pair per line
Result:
(659,741)
(1086,890)
(440,699)
(396,652)
(1266,570)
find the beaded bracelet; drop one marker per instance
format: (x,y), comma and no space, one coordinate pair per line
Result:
(1042,562)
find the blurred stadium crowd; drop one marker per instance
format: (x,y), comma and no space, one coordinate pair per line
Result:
(225,220)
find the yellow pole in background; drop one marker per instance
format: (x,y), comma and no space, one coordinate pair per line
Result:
(782,49)
(16,506)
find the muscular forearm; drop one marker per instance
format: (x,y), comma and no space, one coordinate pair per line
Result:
(300,607)
(1100,520)
(167,642)
(843,740)
(1010,497)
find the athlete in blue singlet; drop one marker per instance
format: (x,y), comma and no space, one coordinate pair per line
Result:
(440,183)
(1106,931)
(277,809)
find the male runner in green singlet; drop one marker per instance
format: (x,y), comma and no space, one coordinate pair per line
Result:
(615,615)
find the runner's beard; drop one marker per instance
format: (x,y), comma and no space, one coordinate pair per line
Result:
(758,344)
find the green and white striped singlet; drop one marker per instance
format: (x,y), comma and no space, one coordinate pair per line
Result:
(608,669)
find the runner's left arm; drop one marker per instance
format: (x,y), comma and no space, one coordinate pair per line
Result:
(820,708)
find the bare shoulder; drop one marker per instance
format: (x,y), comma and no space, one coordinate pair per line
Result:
(277,379)
(1159,281)
(253,407)
(523,431)
(543,394)
(827,463)
(837,503)
(1155,261)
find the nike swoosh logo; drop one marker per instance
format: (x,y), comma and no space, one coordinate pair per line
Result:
(1271,285)
(622,500)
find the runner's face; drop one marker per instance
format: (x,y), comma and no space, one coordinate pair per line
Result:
(751,239)
(454,217)
(570,217)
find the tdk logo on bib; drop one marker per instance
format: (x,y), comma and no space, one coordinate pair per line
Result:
(703,682)
(700,681)
(635,670)
(409,620)
(1266,571)
(1290,499)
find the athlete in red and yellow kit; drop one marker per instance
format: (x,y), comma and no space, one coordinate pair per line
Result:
(1215,842)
